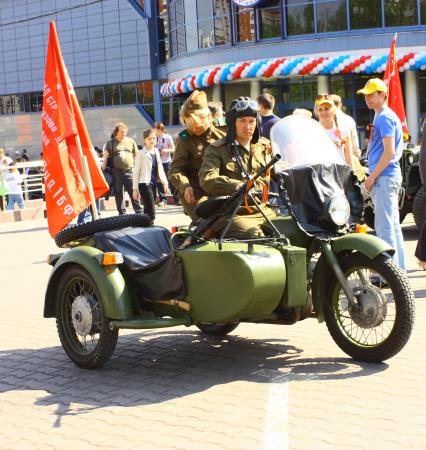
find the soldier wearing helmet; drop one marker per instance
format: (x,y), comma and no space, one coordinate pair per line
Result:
(230,161)
(189,150)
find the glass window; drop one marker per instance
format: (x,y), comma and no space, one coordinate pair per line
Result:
(24,102)
(244,24)
(83,96)
(181,42)
(191,25)
(400,13)
(144,91)
(150,110)
(36,101)
(180,26)
(112,94)
(269,18)
(365,14)
(205,34)
(97,96)
(222,22)
(331,16)
(423,12)
(300,18)
(128,93)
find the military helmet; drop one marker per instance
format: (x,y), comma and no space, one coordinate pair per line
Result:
(242,107)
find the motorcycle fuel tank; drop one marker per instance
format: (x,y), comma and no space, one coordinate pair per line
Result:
(238,281)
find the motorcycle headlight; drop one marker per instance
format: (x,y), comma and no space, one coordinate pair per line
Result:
(410,159)
(339,210)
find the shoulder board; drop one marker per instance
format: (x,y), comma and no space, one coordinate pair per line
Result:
(184,135)
(264,141)
(219,143)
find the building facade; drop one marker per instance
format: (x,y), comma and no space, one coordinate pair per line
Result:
(136,61)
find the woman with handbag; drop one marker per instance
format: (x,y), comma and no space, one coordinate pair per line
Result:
(148,171)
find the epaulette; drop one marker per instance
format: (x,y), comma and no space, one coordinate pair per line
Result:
(184,135)
(219,142)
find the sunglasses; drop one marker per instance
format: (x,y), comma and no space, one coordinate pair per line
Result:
(242,105)
(323,97)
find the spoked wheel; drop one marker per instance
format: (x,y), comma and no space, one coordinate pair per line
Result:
(381,324)
(80,318)
(217,329)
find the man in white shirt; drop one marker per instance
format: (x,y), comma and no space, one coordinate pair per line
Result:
(5,161)
(348,122)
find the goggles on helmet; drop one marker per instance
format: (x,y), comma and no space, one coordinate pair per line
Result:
(243,105)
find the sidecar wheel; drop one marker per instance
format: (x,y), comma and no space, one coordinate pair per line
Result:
(384,327)
(76,232)
(80,319)
(217,329)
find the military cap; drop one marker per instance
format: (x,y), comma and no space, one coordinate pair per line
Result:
(196,103)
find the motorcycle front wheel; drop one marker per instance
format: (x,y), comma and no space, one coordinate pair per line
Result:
(80,318)
(217,329)
(380,326)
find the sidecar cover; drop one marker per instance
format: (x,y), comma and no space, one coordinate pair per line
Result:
(310,191)
(148,257)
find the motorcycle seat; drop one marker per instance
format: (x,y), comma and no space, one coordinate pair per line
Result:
(210,206)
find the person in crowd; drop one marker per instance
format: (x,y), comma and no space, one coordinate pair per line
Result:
(5,161)
(14,181)
(123,151)
(349,123)
(302,112)
(368,134)
(148,173)
(326,112)
(267,118)
(190,146)
(166,148)
(384,180)
(218,115)
(230,161)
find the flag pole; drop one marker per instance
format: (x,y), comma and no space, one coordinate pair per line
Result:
(87,178)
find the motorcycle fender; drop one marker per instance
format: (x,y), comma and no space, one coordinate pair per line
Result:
(366,244)
(109,281)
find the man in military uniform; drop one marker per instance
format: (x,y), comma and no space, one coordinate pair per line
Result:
(189,151)
(230,161)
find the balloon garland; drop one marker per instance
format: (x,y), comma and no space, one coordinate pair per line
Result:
(304,65)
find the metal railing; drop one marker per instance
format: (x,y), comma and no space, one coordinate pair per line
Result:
(32,183)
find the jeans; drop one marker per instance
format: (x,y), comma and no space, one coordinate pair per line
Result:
(15,198)
(160,187)
(124,179)
(147,198)
(86,215)
(384,195)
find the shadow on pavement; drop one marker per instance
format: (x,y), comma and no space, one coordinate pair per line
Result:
(157,366)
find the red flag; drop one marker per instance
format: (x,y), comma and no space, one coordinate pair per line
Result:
(62,122)
(391,78)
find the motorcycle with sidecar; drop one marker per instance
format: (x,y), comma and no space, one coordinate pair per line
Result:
(312,261)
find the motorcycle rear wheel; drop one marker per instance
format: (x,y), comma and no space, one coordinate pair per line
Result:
(384,327)
(217,329)
(80,319)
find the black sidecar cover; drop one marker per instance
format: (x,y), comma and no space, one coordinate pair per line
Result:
(148,259)
(310,190)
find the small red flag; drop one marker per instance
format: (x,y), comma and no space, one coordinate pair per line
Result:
(62,122)
(391,78)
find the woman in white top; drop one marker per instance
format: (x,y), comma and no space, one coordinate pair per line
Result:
(325,110)
(14,180)
(148,171)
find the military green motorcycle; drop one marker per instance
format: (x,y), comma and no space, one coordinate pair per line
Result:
(123,273)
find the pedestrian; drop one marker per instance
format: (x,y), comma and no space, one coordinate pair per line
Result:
(14,181)
(148,173)
(232,160)
(189,152)
(267,118)
(325,110)
(384,179)
(218,115)
(166,148)
(349,123)
(5,161)
(123,151)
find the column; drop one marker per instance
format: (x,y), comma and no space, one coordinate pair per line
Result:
(254,89)
(322,84)
(412,104)
(216,93)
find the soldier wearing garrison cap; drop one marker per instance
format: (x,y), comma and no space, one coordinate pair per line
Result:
(189,150)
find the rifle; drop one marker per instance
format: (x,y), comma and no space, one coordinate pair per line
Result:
(229,206)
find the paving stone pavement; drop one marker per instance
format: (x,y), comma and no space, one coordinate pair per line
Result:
(262,387)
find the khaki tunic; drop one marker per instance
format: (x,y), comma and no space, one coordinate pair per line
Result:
(220,174)
(187,159)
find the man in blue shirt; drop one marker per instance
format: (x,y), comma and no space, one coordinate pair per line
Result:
(384,153)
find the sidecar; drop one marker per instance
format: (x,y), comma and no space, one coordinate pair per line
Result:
(122,272)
